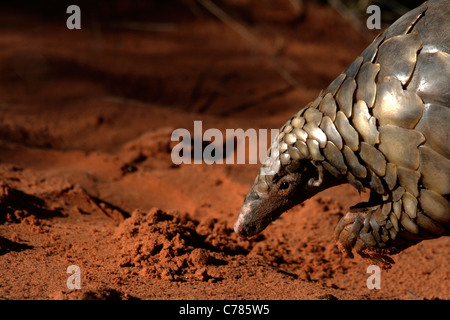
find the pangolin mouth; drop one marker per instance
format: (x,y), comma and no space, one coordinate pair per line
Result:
(245,224)
(251,222)
(241,224)
(250,229)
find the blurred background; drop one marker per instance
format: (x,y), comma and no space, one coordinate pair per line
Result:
(145,67)
(244,58)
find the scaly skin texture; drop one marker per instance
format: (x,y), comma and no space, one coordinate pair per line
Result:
(382,125)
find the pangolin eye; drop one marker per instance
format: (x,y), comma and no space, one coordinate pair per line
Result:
(284,185)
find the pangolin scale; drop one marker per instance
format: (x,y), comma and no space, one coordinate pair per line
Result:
(381,125)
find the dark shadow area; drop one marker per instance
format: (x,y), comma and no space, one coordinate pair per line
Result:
(7,245)
(112,207)
(16,205)
(106,294)
(160,11)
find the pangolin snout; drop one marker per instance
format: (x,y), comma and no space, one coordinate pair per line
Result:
(245,224)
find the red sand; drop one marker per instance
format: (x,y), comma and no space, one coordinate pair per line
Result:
(87,179)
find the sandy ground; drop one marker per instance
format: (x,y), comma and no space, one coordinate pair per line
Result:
(86,176)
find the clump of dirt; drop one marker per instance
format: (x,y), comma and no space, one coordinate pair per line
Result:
(151,149)
(173,246)
(16,205)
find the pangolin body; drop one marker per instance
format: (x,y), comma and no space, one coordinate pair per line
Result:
(381,125)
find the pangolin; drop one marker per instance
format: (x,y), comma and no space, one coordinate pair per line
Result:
(382,125)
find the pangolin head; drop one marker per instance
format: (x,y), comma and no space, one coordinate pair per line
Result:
(283,182)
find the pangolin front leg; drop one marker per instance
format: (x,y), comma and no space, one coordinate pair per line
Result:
(352,231)
(370,231)
(366,226)
(363,229)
